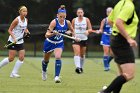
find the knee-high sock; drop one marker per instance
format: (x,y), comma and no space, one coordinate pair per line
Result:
(44,65)
(82,61)
(109,59)
(77,61)
(57,67)
(4,62)
(117,89)
(105,60)
(17,66)
(118,81)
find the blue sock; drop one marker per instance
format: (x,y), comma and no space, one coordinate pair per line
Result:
(44,65)
(57,67)
(109,58)
(105,60)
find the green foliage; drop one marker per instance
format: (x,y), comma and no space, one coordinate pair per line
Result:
(43,11)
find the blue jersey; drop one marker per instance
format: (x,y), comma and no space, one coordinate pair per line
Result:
(56,41)
(60,29)
(105,40)
(107,28)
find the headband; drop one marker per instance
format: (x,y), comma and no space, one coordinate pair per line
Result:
(61,11)
(22,8)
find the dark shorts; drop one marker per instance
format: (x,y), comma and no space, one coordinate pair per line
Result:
(81,43)
(123,52)
(17,47)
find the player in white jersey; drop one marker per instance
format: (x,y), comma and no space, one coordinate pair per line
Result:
(82,27)
(16,30)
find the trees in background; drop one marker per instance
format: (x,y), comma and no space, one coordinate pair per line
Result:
(43,11)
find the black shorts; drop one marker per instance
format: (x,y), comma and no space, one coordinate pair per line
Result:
(123,52)
(82,43)
(16,46)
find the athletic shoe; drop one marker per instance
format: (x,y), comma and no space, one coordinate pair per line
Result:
(81,70)
(102,90)
(14,75)
(44,75)
(107,69)
(78,70)
(57,79)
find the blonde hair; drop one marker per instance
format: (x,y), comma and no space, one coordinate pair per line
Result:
(21,8)
(109,9)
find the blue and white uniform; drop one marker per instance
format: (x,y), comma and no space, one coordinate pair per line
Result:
(105,40)
(56,41)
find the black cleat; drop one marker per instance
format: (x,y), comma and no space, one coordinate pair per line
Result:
(78,70)
(81,70)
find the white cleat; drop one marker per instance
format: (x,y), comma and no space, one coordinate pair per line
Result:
(44,75)
(57,79)
(14,75)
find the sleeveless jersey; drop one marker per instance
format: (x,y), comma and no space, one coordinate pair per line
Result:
(105,40)
(18,31)
(107,28)
(61,29)
(80,28)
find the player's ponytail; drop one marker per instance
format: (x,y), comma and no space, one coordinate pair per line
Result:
(62,9)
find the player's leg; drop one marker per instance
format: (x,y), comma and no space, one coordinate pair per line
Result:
(105,58)
(18,64)
(82,57)
(47,49)
(76,49)
(110,57)
(45,62)
(128,71)
(11,57)
(58,64)
(125,57)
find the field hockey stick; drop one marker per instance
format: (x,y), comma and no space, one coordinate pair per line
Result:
(107,33)
(95,31)
(67,36)
(12,43)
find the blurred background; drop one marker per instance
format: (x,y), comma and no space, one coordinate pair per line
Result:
(40,14)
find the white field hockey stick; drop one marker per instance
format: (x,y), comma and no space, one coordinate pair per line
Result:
(67,36)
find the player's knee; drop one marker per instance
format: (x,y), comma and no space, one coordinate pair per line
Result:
(129,76)
(11,59)
(106,53)
(58,56)
(21,58)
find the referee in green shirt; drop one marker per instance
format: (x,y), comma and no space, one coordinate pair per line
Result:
(124,21)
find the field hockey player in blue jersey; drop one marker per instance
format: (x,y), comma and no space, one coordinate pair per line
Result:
(54,42)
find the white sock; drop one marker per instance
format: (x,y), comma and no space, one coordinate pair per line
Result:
(4,62)
(77,61)
(17,66)
(82,61)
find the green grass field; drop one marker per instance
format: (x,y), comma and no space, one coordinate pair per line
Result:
(91,81)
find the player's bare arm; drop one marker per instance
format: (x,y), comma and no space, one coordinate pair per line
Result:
(120,25)
(102,26)
(71,28)
(89,27)
(49,32)
(12,26)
